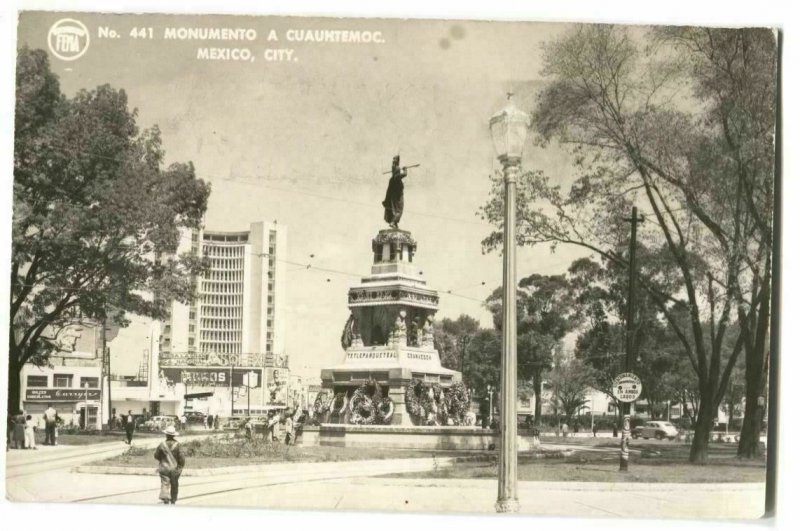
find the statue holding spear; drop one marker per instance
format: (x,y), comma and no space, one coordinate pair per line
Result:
(393,203)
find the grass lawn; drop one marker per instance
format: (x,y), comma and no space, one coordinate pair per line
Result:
(208,453)
(81,439)
(671,466)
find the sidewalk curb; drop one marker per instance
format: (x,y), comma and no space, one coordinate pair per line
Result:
(622,486)
(280,467)
(296,468)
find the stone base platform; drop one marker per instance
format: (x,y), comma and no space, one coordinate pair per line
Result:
(409,437)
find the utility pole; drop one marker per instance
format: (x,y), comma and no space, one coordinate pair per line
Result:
(107,370)
(463,343)
(231,390)
(634,220)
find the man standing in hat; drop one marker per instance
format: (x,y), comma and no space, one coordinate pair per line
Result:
(50,417)
(170,465)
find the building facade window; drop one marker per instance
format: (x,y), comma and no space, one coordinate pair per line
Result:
(62,380)
(36,381)
(94,383)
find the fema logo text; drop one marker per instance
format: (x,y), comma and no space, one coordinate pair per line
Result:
(68,39)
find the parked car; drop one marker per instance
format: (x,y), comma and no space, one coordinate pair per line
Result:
(524,421)
(195,417)
(656,429)
(160,422)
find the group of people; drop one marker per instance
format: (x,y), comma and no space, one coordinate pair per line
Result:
(278,423)
(22,428)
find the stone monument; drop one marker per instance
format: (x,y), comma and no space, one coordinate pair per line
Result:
(388,343)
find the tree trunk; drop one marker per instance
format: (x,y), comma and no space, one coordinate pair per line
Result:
(755,372)
(702,431)
(537,393)
(750,434)
(14,385)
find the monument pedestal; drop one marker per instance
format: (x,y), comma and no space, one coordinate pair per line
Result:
(388,338)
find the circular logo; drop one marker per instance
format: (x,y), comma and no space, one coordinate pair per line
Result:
(626,387)
(68,39)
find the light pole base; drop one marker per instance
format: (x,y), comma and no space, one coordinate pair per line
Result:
(510,505)
(623,450)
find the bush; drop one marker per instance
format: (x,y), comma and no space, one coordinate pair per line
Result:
(133,452)
(237,447)
(74,429)
(603,422)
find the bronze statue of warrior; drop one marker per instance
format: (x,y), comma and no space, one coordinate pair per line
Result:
(393,203)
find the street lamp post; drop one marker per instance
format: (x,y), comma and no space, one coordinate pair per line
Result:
(509,128)
(86,405)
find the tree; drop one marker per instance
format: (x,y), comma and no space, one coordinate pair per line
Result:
(484,353)
(571,381)
(451,338)
(97,218)
(620,105)
(683,389)
(600,293)
(543,319)
(734,73)
(735,394)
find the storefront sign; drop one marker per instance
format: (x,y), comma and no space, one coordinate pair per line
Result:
(211,377)
(61,395)
(277,385)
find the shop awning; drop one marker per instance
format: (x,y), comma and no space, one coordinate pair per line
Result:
(198,395)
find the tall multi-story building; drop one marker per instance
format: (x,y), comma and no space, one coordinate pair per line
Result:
(237,320)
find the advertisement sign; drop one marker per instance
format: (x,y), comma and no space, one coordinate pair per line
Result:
(311,398)
(207,377)
(277,385)
(61,395)
(627,387)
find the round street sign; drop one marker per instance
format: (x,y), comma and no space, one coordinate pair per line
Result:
(627,387)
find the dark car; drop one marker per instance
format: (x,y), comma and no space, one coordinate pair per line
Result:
(524,421)
(195,417)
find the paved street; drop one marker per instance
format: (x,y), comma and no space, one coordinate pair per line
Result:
(47,475)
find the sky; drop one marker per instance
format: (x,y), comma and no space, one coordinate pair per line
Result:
(305,142)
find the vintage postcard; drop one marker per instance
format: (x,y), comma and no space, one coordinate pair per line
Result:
(393,265)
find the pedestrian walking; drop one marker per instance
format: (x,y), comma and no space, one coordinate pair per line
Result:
(9,431)
(130,425)
(50,418)
(216,422)
(271,424)
(59,423)
(183,422)
(30,433)
(210,421)
(288,426)
(594,430)
(171,461)
(248,429)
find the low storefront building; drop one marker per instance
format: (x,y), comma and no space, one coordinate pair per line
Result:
(74,392)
